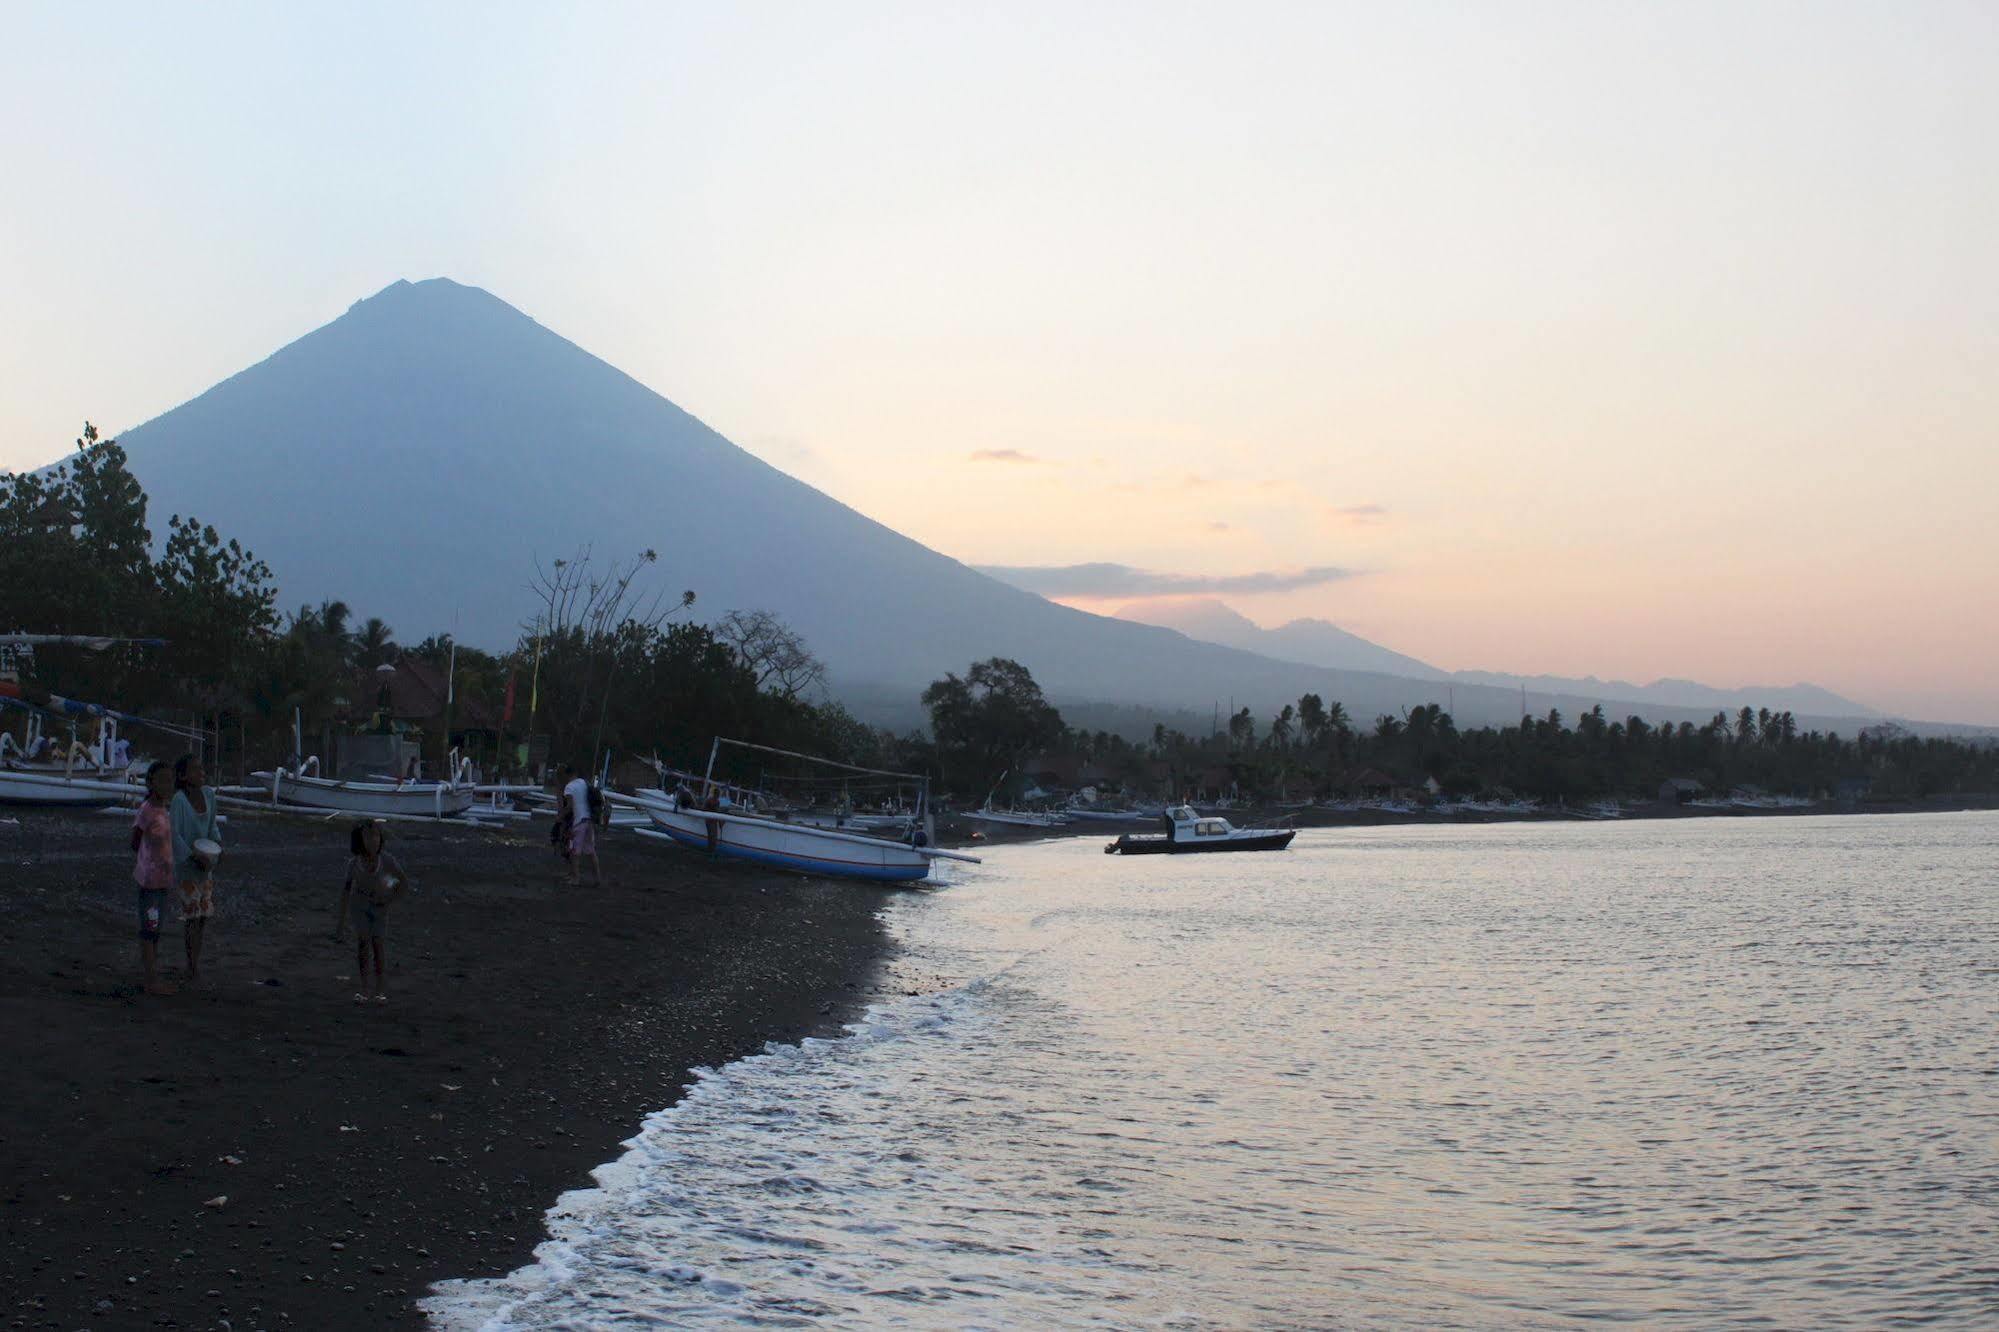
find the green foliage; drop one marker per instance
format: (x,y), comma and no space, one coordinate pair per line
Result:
(217,600)
(985,723)
(76,557)
(1544,758)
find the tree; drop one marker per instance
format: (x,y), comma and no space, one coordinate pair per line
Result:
(1312,720)
(373,644)
(587,627)
(774,652)
(218,609)
(987,722)
(1242,730)
(1280,728)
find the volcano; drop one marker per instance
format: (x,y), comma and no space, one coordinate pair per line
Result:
(417,455)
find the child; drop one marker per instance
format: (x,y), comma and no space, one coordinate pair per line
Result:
(153,841)
(193,817)
(374,881)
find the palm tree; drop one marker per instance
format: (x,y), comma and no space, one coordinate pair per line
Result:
(1312,719)
(373,644)
(1340,727)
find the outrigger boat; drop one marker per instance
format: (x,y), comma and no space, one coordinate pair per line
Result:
(1016,818)
(806,848)
(439,800)
(1188,831)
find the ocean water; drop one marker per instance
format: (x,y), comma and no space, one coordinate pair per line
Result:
(1692,1073)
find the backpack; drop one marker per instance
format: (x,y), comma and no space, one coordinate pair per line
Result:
(596,799)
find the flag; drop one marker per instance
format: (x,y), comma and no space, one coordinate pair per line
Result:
(507,711)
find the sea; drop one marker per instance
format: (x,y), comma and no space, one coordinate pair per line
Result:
(1675,1073)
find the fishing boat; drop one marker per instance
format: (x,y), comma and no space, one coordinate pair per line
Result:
(1016,818)
(806,848)
(55,789)
(1189,831)
(441,800)
(1106,815)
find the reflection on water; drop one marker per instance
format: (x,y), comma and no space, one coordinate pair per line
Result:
(1694,1072)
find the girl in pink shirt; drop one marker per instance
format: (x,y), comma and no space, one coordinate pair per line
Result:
(153,869)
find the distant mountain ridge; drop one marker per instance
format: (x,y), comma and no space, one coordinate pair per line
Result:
(1310,642)
(414,456)
(1315,642)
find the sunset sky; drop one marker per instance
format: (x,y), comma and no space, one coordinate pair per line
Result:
(1589,338)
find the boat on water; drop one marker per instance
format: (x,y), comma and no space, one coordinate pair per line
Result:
(806,848)
(419,799)
(1188,831)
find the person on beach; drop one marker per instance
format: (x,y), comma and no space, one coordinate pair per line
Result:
(153,870)
(193,816)
(375,880)
(582,827)
(713,804)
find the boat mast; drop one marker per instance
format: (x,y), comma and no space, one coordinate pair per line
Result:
(708,778)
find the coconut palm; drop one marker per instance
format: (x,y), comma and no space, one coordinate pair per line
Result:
(374,644)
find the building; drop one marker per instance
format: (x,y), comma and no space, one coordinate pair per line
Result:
(1679,790)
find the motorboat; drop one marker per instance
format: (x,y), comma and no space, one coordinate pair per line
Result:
(1188,831)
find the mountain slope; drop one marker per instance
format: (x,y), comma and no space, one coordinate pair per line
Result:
(1322,643)
(415,455)
(1310,642)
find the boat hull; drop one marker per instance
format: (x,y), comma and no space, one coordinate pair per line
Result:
(425,800)
(1163,846)
(791,846)
(1015,820)
(48,789)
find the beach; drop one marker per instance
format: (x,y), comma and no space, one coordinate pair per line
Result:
(365,1151)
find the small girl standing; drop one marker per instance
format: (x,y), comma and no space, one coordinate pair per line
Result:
(374,881)
(153,870)
(193,814)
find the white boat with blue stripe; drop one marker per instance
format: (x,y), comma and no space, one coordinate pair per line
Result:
(692,820)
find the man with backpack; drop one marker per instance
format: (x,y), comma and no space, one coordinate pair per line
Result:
(582,810)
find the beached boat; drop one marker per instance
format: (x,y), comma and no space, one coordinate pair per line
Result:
(53,788)
(1016,818)
(1107,815)
(1193,832)
(441,800)
(804,847)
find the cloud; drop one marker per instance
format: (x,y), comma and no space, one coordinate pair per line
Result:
(1218,526)
(1121,580)
(1361,513)
(1003,455)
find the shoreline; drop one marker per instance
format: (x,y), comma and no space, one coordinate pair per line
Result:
(955,831)
(367,1152)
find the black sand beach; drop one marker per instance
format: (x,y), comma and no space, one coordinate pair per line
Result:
(363,1152)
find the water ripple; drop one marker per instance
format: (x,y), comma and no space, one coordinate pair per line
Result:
(1697,1074)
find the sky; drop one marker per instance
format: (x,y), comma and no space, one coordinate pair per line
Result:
(1587,338)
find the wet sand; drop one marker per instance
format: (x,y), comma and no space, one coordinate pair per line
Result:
(364,1151)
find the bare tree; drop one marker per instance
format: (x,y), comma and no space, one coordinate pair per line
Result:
(584,620)
(773,650)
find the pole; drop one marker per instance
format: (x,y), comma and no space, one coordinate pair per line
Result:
(450,695)
(708,778)
(534,695)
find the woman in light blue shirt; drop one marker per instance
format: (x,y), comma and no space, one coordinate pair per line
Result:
(193,815)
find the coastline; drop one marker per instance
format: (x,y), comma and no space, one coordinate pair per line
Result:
(375,1149)
(957,831)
